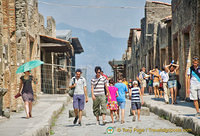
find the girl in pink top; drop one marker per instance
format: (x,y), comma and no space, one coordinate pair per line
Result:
(112,103)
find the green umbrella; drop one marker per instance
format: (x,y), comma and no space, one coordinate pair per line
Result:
(29,65)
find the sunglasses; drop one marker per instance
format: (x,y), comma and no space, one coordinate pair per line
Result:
(195,58)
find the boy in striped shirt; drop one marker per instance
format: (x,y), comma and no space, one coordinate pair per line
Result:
(134,96)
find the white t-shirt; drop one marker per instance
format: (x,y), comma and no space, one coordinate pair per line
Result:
(80,84)
(193,81)
(164,75)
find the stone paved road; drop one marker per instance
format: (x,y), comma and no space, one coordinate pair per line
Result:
(64,125)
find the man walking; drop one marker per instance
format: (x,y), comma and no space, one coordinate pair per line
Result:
(80,95)
(193,83)
(141,78)
(165,77)
(98,95)
(121,99)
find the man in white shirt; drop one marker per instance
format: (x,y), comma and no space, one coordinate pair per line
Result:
(165,77)
(80,95)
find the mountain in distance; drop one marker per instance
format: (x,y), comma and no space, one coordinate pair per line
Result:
(99,48)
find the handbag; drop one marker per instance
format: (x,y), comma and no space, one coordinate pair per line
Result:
(17,95)
(71,91)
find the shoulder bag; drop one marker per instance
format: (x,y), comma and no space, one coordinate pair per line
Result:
(71,91)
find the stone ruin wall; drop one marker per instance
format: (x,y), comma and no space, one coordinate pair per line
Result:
(20,29)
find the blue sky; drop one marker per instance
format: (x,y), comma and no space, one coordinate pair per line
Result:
(115,21)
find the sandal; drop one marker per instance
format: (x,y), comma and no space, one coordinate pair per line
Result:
(30,115)
(122,121)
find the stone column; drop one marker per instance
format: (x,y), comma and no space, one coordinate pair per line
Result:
(2,93)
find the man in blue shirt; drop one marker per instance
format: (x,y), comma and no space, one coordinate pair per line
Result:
(121,99)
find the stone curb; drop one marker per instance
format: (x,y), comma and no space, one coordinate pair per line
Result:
(43,128)
(187,123)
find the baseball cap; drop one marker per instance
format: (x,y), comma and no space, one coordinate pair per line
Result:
(135,82)
(79,70)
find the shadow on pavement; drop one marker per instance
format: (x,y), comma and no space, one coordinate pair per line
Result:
(71,125)
(90,124)
(179,102)
(158,99)
(189,115)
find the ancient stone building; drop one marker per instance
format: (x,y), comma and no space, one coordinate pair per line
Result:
(144,45)
(133,43)
(185,36)
(119,69)
(168,32)
(149,48)
(21,27)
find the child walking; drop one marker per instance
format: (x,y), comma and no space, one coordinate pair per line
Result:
(112,103)
(134,95)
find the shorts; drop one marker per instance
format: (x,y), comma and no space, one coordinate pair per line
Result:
(122,105)
(172,83)
(143,83)
(156,84)
(194,93)
(135,105)
(79,101)
(99,105)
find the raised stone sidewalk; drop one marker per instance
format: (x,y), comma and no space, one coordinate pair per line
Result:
(47,107)
(181,114)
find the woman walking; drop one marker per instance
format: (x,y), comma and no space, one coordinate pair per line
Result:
(112,103)
(172,82)
(27,92)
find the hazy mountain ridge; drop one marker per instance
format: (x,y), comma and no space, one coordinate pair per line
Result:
(99,47)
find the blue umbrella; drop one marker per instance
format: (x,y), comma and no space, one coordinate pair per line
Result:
(29,65)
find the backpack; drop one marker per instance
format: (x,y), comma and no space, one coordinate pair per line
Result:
(141,76)
(71,91)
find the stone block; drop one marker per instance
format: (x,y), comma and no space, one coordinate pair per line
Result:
(2,93)
(6,113)
(143,111)
(71,113)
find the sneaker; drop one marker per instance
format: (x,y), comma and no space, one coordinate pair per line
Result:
(134,118)
(79,123)
(75,120)
(98,122)
(197,114)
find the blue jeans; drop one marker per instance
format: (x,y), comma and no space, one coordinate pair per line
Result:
(122,105)
(172,84)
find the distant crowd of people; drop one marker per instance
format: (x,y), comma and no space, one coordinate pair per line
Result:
(160,81)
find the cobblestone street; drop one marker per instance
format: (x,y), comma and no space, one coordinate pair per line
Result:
(149,125)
